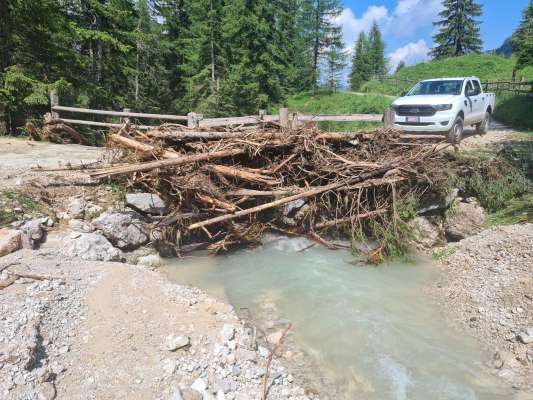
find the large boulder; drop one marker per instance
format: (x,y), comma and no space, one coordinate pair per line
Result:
(464,220)
(148,203)
(92,247)
(10,241)
(124,229)
(427,233)
(76,207)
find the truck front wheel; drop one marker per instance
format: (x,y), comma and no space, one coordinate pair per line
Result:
(455,134)
(483,126)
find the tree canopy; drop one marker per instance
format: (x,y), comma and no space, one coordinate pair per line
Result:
(523,39)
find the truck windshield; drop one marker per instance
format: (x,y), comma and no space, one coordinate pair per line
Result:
(436,88)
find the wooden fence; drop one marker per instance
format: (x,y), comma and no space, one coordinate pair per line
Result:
(195,120)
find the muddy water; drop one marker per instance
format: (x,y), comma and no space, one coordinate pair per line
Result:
(371,332)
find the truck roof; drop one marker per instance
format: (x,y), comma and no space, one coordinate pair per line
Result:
(459,78)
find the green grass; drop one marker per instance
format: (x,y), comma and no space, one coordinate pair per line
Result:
(517,210)
(484,66)
(339,103)
(514,110)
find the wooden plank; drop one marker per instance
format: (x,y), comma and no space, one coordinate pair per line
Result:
(165,117)
(212,122)
(342,118)
(103,124)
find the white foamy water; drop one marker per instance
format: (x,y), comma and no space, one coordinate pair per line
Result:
(371,330)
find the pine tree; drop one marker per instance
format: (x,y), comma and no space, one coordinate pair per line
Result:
(361,63)
(400,66)
(320,32)
(335,62)
(376,52)
(459,31)
(523,39)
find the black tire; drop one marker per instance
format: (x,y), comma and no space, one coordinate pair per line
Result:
(455,134)
(483,126)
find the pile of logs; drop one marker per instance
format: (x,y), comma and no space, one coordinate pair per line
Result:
(227,187)
(56,131)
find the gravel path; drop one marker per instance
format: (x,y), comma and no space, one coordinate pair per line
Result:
(488,290)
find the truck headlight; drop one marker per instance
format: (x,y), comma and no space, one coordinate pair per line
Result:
(443,107)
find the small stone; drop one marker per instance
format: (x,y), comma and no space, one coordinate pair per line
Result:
(275,337)
(173,343)
(525,338)
(199,385)
(236,370)
(42,374)
(263,351)
(169,366)
(46,391)
(221,395)
(56,368)
(151,260)
(80,226)
(227,333)
(245,355)
(64,349)
(50,222)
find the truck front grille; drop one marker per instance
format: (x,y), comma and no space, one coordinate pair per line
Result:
(415,111)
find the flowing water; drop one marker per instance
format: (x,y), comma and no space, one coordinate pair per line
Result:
(371,331)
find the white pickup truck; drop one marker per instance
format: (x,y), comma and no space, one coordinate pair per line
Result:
(444,105)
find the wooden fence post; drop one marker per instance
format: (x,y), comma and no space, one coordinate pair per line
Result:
(192,120)
(389,118)
(54,101)
(125,120)
(284,117)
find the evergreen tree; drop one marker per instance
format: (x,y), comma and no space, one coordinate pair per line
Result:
(377,52)
(335,62)
(400,66)
(459,31)
(523,39)
(320,32)
(361,63)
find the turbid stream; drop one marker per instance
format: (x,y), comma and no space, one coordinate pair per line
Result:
(371,332)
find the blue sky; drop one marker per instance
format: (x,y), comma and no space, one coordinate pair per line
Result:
(407,24)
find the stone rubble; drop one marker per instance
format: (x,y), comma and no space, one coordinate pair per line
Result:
(488,290)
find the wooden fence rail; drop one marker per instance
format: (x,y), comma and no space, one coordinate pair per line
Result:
(194,120)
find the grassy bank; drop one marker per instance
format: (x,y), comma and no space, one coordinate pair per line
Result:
(514,111)
(484,66)
(339,103)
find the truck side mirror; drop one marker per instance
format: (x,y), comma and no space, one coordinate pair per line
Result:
(403,93)
(470,92)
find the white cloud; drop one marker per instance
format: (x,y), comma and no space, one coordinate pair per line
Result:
(407,17)
(411,53)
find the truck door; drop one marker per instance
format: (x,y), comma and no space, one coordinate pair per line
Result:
(479,101)
(471,101)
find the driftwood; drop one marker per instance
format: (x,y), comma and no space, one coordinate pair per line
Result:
(56,131)
(227,187)
(308,193)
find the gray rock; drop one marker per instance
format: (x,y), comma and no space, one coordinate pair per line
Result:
(92,247)
(245,355)
(464,220)
(10,241)
(199,385)
(76,208)
(526,337)
(124,229)
(32,234)
(292,206)
(146,202)
(173,343)
(227,333)
(46,391)
(438,203)
(151,260)
(80,225)
(426,233)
